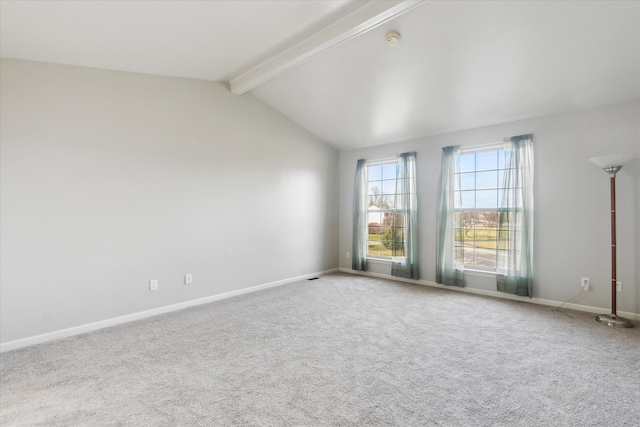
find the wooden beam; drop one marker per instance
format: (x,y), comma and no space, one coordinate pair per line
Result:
(361,20)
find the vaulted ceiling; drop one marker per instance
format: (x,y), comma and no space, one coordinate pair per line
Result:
(326,65)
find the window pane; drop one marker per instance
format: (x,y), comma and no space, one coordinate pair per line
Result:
(466,163)
(464,200)
(468,253)
(389,171)
(389,187)
(395,241)
(467,223)
(504,220)
(503,239)
(479,220)
(387,221)
(373,248)
(374,187)
(487,161)
(385,229)
(374,221)
(376,198)
(490,218)
(501,198)
(466,181)
(457,219)
(374,173)
(486,199)
(510,198)
(500,178)
(486,180)
(375,230)
(479,181)
(485,258)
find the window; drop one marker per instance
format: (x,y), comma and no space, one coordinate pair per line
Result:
(485,214)
(386,230)
(479,186)
(385,214)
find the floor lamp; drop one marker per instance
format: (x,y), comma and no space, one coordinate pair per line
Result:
(611,165)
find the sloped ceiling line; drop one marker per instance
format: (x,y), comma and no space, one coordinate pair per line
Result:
(369,16)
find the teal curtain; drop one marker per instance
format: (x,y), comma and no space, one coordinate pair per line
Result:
(360,204)
(447,272)
(404,262)
(515,248)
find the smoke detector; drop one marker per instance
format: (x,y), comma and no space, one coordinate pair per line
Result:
(393,38)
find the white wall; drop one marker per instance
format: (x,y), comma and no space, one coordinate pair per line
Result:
(110,179)
(572,219)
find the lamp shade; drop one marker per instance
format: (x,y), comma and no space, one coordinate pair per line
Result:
(613,160)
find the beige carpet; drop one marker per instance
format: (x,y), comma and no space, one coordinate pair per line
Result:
(341,350)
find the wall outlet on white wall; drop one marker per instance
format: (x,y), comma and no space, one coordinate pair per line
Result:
(188,279)
(584,283)
(153,285)
(619,285)
(348,255)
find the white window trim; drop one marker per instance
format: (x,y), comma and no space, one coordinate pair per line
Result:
(382,161)
(479,273)
(475,149)
(373,258)
(482,148)
(379,260)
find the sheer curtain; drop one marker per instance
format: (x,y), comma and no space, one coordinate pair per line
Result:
(405,212)
(360,204)
(515,254)
(447,272)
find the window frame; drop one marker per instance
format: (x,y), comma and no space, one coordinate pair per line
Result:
(391,210)
(498,148)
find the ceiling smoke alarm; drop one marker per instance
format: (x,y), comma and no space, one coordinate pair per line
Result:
(393,38)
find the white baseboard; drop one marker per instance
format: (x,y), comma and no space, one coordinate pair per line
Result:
(77,330)
(496,294)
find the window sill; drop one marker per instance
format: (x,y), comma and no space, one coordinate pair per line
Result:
(480,273)
(379,260)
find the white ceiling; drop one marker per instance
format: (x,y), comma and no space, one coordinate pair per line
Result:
(210,40)
(459,64)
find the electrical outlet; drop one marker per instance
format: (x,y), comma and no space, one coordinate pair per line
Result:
(348,255)
(584,283)
(153,285)
(188,279)
(619,285)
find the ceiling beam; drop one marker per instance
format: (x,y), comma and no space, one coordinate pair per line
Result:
(361,20)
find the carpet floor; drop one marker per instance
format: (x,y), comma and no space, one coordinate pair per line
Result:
(338,351)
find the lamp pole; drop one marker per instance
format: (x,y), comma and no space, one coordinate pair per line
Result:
(612,179)
(612,319)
